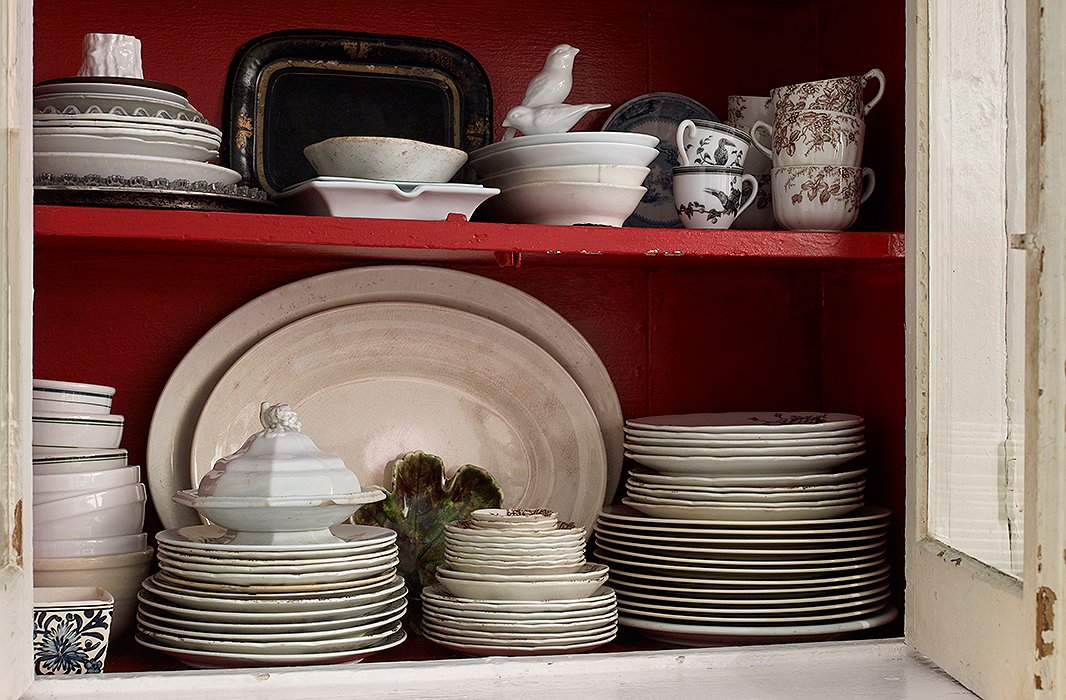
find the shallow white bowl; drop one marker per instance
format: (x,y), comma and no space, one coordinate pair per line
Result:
(552,154)
(565,203)
(628,175)
(92,516)
(118,574)
(61,460)
(384,158)
(569,137)
(70,430)
(95,395)
(55,487)
(121,544)
(70,407)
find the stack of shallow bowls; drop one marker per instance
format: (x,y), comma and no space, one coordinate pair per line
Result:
(218,604)
(516,582)
(565,179)
(88,503)
(746,527)
(129,128)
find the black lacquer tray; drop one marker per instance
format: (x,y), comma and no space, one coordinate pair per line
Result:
(290,89)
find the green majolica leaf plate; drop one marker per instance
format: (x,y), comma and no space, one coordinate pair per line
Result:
(420,503)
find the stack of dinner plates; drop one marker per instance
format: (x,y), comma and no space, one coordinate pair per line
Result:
(746,466)
(216,604)
(515,583)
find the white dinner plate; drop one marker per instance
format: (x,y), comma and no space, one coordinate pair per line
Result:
(741,497)
(751,542)
(477,649)
(753,595)
(676,615)
(628,563)
(217,540)
(637,437)
(597,599)
(466,634)
(320,607)
(70,142)
(273,566)
(734,466)
(745,502)
(103,105)
(182,399)
(769,422)
(726,563)
(731,610)
(754,553)
(758,451)
(97,120)
(701,634)
(759,514)
(351,574)
(749,481)
(123,165)
(865,518)
(279,584)
(493,624)
(273,653)
(423,377)
(820,581)
(120,89)
(688,437)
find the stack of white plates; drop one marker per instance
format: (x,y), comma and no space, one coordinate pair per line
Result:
(215,604)
(727,581)
(518,584)
(746,466)
(571,178)
(123,128)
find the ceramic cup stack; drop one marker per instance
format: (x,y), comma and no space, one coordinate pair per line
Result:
(581,177)
(279,580)
(742,111)
(746,527)
(515,582)
(817,136)
(709,179)
(88,503)
(109,121)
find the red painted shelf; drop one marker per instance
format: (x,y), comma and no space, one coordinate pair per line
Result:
(267,234)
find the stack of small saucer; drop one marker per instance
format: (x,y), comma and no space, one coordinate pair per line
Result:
(516,583)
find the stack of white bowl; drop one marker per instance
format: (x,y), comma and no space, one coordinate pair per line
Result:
(515,582)
(566,179)
(747,527)
(88,503)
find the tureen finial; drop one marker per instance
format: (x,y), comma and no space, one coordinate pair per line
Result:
(278,416)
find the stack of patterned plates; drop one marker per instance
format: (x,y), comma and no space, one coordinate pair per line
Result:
(215,604)
(518,584)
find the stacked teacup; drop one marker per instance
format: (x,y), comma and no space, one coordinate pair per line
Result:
(710,173)
(515,582)
(742,111)
(817,138)
(88,503)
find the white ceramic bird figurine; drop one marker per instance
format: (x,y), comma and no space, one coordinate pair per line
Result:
(548,119)
(553,83)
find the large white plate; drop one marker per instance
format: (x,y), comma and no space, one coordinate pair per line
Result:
(769,422)
(696,512)
(757,553)
(120,89)
(481,649)
(658,491)
(125,165)
(665,613)
(726,563)
(183,396)
(324,606)
(698,634)
(756,451)
(642,437)
(828,580)
(199,539)
(74,142)
(373,381)
(627,561)
(78,120)
(755,596)
(659,499)
(753,482)
(866,518)
(752,542)
(266,633)
(600,599)
(706,606)
(708,466)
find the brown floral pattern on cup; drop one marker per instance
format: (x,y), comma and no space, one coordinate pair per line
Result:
(824,185)
(807,132)
(835,94)
(744,110)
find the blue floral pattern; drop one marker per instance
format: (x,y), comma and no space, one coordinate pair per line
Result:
(70,641)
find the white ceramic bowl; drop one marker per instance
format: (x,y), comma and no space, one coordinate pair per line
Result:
(73,397)
(121,544)
(565,204)
(384,158)
(119,574)
(628,175)
(69,430)
(56,487)
(553,154)
(60,460)
(92,516)
(569,137)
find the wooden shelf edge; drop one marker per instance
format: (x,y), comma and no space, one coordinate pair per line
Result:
(202,230)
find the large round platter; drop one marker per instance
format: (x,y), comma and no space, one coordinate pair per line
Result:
(752,583)
(736,543)
(424,378)
(749,422)
(667,566)
(757,451)
(744,465)
(689,634)
(784,481)
(679,614)
(209,659)
(124,165)
(865,518)
(110,133)
(72,142)
(751,596)
(212,538)
(190,384)
(110,85)
(686,440)
(754,553)
(743,497)
(698,512)
(691,438)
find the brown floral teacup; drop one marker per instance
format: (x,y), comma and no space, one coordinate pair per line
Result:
(711,197)
(812,137)
(742,111)
(819,197)
(835,94)
(709,143)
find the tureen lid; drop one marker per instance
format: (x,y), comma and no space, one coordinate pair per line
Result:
(279,460)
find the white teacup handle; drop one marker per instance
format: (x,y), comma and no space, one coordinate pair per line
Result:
(682,157)
(870,180)
(880,77)
(750,179)
(758,127)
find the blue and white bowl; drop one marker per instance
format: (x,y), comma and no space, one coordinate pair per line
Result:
(70,630)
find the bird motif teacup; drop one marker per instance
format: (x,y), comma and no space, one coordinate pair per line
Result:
(835,94)
(819,197)
(709,143)
(812,137)
(710,197)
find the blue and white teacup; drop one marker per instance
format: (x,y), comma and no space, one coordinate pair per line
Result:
(711,197)
(709,143)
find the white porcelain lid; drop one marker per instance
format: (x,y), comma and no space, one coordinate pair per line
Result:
(279,461)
